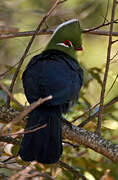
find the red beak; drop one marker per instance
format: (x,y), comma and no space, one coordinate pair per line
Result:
(79,49)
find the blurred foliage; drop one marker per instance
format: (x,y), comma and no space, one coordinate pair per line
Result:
(26,15)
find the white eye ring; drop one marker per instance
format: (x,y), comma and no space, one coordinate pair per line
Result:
(65,45)
(62,44)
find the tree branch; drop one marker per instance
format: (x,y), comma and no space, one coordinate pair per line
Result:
(48,32)
(106,70)
(91,140)
(77,135)
(24,34)
(7,29)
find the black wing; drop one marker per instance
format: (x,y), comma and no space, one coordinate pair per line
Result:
(55,74)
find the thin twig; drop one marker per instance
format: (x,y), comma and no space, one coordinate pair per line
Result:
(9,158)
(114,55)
(107,9)
(94,106)
(24,131)
(4,73)
(29,46)
(112,84)
(106,70)
(35,174)
(48,32)
(98,32)
(113,101)
(23,172)
(10,95)
(114,41)
(27,111)
(88,110)
(7,71)
(7,29)
(24,34)
(102,25)
(73,170)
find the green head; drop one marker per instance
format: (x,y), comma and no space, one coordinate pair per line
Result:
(67,38)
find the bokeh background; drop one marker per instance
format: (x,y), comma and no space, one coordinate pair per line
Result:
(25,15)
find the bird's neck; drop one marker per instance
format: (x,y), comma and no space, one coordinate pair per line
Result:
(70,52)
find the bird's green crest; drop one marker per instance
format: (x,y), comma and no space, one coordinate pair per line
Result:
(67,37)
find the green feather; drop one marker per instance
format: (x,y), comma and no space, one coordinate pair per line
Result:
(70,31)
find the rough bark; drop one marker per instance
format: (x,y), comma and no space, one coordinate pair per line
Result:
(91,140)
(70,132)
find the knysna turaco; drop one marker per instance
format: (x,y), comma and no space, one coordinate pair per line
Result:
(54,72)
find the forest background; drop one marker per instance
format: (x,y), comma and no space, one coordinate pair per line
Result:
(18,20)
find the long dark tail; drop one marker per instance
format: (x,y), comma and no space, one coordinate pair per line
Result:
(43,145)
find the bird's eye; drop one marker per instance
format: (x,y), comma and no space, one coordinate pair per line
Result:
(68,43)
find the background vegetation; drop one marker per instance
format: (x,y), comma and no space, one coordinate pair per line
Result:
(25,15)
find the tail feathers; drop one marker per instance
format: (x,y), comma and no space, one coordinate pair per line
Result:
(43,145)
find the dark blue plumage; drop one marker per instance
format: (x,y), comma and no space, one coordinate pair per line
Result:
(55,73)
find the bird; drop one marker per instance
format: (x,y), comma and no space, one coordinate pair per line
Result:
(56,72)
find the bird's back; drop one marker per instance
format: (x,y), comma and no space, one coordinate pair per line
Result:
(53,73)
